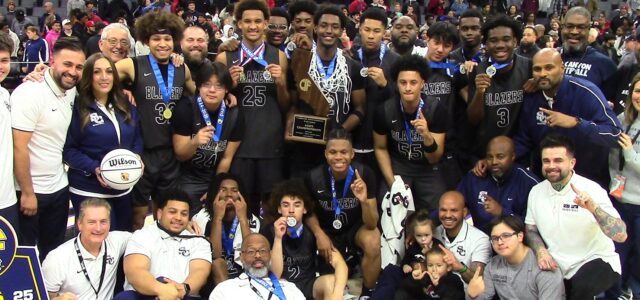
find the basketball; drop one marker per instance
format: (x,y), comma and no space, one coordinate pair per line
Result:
(121,169)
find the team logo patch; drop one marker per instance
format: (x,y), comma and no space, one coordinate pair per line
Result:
(482,197)
(124,176)
(570,207)
(184,251)
(96,119)
(541,117)
(305,84)
(461,251)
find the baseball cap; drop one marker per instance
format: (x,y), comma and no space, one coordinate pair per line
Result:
(65,22)
(89,24)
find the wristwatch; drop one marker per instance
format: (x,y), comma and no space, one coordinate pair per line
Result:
(187,289)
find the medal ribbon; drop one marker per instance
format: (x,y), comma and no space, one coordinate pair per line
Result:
(499,66)
(332,66)
(274,287)
(207,118)
(451,68)
(257,55)
(295,232)
(383,50)
(165,90)
(84,268)
(227,238)
(347,184)
(407,124)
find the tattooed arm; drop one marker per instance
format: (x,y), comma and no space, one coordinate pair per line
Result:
(612,227)
(545,261)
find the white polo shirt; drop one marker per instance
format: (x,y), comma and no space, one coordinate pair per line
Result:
(240,288)
(7,188)
(571,233)
(62,271)
(471,244)
(45,110)
(169,256)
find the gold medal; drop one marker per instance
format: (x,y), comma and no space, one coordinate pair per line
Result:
(305,84)
(167,113)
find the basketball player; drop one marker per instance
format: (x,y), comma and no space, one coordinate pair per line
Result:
(258,73)
(156,85)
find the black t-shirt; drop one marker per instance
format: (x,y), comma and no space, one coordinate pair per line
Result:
(343,107)
(319,185)
(300,255)
(502,101)
(188,120)
(408,159)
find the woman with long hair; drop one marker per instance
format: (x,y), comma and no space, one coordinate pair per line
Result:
(514,273)
(206,132)
(624,167)
(103,120)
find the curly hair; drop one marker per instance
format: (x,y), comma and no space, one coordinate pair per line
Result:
(251,5)
(292,188)
(501,20)
(411,63)
(148,25)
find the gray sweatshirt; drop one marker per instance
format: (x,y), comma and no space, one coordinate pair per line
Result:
(523,282)
(631,168)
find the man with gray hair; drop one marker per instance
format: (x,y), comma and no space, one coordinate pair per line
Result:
(115,41)
(579,58)
(257,282)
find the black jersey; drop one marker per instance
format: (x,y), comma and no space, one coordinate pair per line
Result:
(299,255)
(343,106)
(188,121)
(408,159)
(156,129)
(319,185)
(362,137)
(625,76)
(502,101)
(257,98)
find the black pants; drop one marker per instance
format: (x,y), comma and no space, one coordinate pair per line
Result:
(591,279)
(47,227)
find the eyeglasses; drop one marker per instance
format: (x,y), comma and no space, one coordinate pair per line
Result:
(209,85)
(580,27)
(495,239)
(253,252)
(277,27)
(116,42)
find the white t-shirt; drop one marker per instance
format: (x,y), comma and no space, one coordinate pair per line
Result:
(240,288)
(45,110)
(202,218)
(62,271)
(169,256)
(417,50)
(571,233)
(470,245)
(7,188)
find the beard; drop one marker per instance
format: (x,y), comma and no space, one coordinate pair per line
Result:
(573,49)
(257,272)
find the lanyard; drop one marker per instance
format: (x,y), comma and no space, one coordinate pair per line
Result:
(451,68)
(165,90)
(326,74)
(295,232)
(273,288)
(207,118)
(407,124)
(84,269)
(227,238)
(256,55)
(347,184)
(383,50)
(621,160)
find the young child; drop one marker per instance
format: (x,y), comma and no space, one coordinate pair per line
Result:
(433,280)
(421,227)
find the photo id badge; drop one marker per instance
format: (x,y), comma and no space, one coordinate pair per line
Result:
(617,186)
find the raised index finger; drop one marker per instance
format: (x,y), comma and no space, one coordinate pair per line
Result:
(575,189)
(358,174)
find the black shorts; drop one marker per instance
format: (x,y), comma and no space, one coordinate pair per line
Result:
(258,175)
(161,171)
(306,286)
(346,244)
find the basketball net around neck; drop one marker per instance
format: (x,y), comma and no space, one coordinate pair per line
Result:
(338,82)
